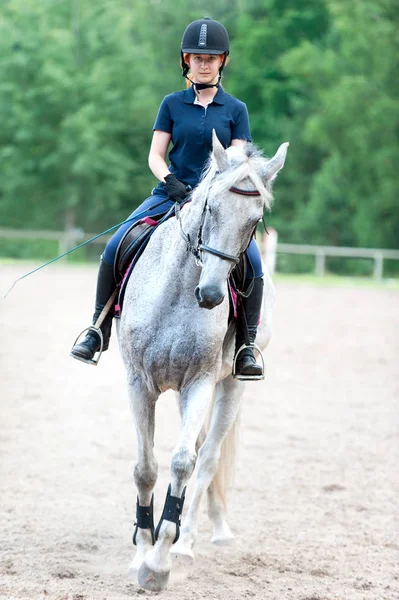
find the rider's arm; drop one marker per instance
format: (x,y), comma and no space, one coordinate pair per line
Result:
(156,158)
(241,131)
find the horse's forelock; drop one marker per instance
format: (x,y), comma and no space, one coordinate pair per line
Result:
(252,151)
(247,161)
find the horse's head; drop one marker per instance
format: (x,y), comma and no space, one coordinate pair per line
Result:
(235,190)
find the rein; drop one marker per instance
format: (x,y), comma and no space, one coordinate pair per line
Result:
(200,247)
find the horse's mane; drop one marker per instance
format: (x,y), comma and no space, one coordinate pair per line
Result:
(246,161)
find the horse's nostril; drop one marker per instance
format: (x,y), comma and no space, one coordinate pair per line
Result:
(209,296)
(197,294)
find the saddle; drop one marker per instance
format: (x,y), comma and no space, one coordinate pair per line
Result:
(136,237)
(129,250)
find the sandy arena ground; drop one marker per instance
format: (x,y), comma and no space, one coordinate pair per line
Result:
(315,502)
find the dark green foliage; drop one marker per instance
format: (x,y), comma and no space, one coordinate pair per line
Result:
(295,263)
(29,249)
(81,82)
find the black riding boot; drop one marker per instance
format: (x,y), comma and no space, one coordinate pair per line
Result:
(246,363)
(106,286)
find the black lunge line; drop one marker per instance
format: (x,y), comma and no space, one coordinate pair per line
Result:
(143,212)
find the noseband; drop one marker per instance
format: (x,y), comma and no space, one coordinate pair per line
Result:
(200,247)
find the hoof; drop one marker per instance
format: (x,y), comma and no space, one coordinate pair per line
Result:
(223,540)
(182,554)
(132,571)
(134,568)
(137,561)
(152,580)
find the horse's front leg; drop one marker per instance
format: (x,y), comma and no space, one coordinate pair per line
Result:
(142,404)
(154,572)
(214,469)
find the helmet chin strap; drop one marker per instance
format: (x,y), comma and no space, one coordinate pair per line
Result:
(203,86)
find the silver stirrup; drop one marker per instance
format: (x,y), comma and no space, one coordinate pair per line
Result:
(249,377)
(90,361)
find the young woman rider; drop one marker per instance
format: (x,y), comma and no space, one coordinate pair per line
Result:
(186,118)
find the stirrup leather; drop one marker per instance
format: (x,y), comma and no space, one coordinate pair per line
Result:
(96,329)
(90,361)
(248,377)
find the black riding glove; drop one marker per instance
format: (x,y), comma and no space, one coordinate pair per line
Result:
(175,189)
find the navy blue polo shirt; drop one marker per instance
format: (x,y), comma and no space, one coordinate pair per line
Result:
(191,128)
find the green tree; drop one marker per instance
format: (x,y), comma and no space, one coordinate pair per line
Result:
(352,82)
(75,120)
(80,85)
(265,31)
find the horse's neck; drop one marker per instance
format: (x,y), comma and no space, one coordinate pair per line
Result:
(170,249)
(191,216)
(169,246)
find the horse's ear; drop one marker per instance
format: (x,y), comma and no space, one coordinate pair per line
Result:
(275,164)
(219,153)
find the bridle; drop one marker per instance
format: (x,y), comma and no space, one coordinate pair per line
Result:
(199,246)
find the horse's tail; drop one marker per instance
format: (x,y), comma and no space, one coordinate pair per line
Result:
(224,477)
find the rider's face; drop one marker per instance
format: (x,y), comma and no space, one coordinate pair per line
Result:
(205,67)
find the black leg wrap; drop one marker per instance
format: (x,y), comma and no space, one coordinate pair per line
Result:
(144,519)
(172,512)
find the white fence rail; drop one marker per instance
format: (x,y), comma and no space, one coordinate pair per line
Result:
(69,239)
(66,239)
(321,252)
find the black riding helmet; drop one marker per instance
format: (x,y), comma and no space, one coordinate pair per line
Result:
(205,36)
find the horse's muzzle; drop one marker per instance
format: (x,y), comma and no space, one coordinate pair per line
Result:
(209,296)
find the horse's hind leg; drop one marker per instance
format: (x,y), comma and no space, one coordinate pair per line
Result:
(142,404)
(217,508)
(214,467)
(154,572)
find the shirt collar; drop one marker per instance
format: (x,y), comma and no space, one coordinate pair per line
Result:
(197,101)
(189,96)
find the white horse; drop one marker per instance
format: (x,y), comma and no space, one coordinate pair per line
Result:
(169,341)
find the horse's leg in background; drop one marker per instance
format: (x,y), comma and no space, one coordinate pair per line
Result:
(195,400)
(142,405)
(217,500)
(213,469)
